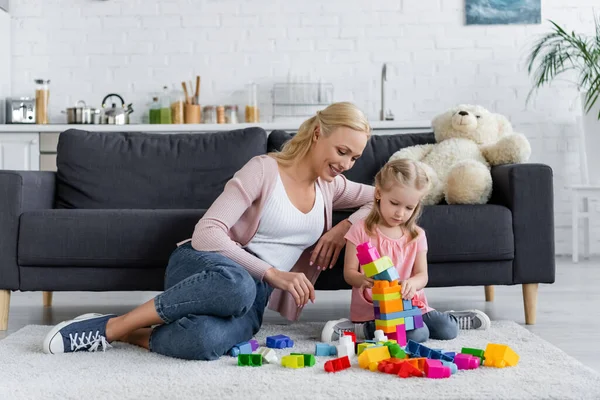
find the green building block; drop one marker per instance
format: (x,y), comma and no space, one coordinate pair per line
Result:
(250,360)
(309,359)
(395,350)
(474,352)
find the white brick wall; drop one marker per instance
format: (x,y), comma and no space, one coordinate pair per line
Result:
(89,48)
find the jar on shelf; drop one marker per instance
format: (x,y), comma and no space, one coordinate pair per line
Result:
(210,115)
(165,106)
(42,97)
(177,105)
(220,115)
(154,111)
(252,111)
(231,114)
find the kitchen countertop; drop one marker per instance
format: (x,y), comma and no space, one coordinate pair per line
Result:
(417,126)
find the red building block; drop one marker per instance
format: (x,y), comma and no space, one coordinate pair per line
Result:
(408,370)
(338,364)
(390,366)
(352,335)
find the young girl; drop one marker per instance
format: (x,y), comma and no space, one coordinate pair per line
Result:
(391,227)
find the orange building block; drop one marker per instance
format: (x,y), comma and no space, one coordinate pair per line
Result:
(391,306)
(499,356)
(408,370)
(372,355)
(386,287)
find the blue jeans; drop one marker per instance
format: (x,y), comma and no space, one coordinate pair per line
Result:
(210,304)
(436,325)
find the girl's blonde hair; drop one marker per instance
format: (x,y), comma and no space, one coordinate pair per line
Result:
(334,116)
(406,173)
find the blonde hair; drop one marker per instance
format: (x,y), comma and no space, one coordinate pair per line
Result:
(406,173)
(334,116)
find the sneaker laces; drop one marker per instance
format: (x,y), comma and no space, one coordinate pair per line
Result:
(92,341)
(465,322)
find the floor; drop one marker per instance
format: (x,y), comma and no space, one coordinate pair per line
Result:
(576,286)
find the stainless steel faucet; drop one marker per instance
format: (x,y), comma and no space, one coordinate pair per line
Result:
(384,115)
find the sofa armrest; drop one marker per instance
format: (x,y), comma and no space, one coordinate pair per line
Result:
(527,190)
(20,191)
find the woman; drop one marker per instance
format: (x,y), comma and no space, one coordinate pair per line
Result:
(255,239)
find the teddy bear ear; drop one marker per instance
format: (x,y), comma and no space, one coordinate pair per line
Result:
(504,125)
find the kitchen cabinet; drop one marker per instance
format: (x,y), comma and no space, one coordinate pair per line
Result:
(20,151)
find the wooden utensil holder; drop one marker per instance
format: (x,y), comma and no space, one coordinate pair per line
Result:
(192,114)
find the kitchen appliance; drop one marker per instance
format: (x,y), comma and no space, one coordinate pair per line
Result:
(115,115)
(82,114)
(20,110)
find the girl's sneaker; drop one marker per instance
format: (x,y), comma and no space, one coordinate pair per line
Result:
(86,332)
(471,319)
(334,329)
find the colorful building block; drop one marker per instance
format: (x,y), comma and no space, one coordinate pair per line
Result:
(309,359)
(407,304)
(407,370)
(418,321)
(401,314)
(386,297)
(351,334)
(474,352)
(325,349)
(466,361)
(388,322)
(268,355)
(399,336)
(366,253)
(500,356)
(240,348)
(435,369)
(373,355)
(345,346)
(395,350)
(338,364)
(292,361)
(390,366)
(377,266)
(389,306)
(362,346)
(453,367)
(279,342)
(419,350)
(390,274)
(252,360)
(409,323)
(380,336)
(254,344)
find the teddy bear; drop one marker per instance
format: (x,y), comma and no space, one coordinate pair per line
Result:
(469,141)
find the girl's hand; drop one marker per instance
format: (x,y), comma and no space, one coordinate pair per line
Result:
(408,289)
(327,250)
(296,283)
(367,283)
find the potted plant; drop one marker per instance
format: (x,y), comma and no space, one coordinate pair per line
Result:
(559,53)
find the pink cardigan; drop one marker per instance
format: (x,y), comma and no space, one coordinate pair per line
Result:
(232,221)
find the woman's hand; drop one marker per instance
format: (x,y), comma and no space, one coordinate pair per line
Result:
(409,289)
(327,250)
(296,283)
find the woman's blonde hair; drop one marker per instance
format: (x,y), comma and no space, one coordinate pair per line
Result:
(334,116)
(406,173)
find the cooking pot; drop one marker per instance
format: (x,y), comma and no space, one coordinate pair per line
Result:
(82,114)
(115,115)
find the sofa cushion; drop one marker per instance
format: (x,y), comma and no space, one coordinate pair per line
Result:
(105,170)
(103,238)
(378,150)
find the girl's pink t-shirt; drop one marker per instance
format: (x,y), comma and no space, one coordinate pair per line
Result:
(402,254)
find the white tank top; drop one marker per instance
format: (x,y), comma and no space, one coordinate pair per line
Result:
(284,232)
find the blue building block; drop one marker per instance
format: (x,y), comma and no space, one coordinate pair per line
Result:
(390,274)
(418,350)
(400,314)
(453,367)
(324,349)
(450,353)
(407,304)
(409,323)
(279,342)
(240,348)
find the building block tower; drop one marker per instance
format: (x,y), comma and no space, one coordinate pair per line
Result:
(393,315)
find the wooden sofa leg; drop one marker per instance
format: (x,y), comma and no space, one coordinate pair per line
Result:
(47,299)
(489,293)
(530,291)
(4,307)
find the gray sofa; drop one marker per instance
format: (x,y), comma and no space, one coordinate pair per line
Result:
(110,216)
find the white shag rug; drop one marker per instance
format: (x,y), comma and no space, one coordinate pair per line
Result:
(128,372)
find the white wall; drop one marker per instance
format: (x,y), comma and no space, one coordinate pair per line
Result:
(89,48)
(4,61)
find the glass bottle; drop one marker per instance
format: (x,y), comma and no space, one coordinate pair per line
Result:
(252,112)
(42,97)
(231,114)
(154,112)
(210,115)
(177,104)
(165,106)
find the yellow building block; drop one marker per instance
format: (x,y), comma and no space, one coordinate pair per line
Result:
(386,287)
(499,356)
(386,297)
(362,346)
(293,361)
(389,322)
(373,355)
(377,266)
(386,329)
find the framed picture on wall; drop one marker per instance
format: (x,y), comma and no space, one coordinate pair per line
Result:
(502,12)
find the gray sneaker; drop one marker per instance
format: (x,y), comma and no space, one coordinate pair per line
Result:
(334,329)
(471,319)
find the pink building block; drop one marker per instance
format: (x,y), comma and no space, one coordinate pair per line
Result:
(466,361)
(366,253)
(399,336)
(435,369)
